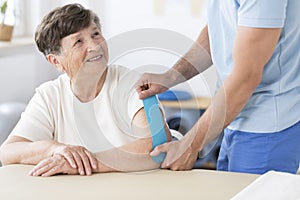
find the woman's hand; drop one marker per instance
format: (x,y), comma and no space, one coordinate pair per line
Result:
(78,157)
(56,164)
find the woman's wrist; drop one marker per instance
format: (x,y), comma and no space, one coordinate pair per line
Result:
(53,146)
(101,168)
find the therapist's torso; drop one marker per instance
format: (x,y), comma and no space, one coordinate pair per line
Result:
(275,103)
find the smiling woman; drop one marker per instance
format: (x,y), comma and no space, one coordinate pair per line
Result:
(68,126)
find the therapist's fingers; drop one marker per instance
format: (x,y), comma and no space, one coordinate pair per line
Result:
(146,93)
(150,84)
(179,156)
(160,149)
(152,89)
(164,148)
(140,87)
(186,161)
(142,83)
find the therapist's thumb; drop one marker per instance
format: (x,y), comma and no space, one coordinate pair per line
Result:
(147,93)
(159,149)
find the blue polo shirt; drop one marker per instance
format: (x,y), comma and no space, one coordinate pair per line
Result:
(275,104)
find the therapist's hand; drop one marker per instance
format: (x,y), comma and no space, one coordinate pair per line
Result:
(56,164)
(78,157)
(180,155)
(150,84)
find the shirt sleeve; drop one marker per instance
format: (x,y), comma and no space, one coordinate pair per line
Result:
(262,13)
(134,104)
(36,122)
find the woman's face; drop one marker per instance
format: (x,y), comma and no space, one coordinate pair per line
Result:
(84,53)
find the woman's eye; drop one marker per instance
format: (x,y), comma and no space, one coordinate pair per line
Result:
(96,33)
(77,42)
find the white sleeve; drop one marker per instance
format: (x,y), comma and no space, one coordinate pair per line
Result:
(134,104)
(36,122)
(126,91)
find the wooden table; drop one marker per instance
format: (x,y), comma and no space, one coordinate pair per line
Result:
(15,183)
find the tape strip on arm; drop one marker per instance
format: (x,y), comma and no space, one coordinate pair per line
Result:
(156,125)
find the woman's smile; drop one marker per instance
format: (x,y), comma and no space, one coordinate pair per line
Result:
(95,59)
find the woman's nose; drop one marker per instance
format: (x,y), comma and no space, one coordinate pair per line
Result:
(93,45)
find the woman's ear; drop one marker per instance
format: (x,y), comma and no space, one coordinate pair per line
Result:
(54,60)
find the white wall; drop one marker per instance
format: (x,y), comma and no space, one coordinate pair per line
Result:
(138,21)
(21,71)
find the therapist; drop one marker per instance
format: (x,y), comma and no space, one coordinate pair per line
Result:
(254,46)
(69,125)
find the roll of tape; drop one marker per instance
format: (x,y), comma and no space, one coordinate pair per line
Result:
(156,124)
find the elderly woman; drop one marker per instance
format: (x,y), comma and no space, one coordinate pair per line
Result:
(69,126)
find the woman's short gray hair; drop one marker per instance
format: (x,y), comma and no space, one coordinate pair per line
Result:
(60,23)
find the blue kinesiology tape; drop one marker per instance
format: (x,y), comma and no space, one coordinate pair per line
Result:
(156,124)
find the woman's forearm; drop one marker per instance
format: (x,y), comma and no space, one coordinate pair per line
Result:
(25,152)
(131,157)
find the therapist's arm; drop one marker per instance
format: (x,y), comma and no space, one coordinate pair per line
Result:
(253,48)
(196,60)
